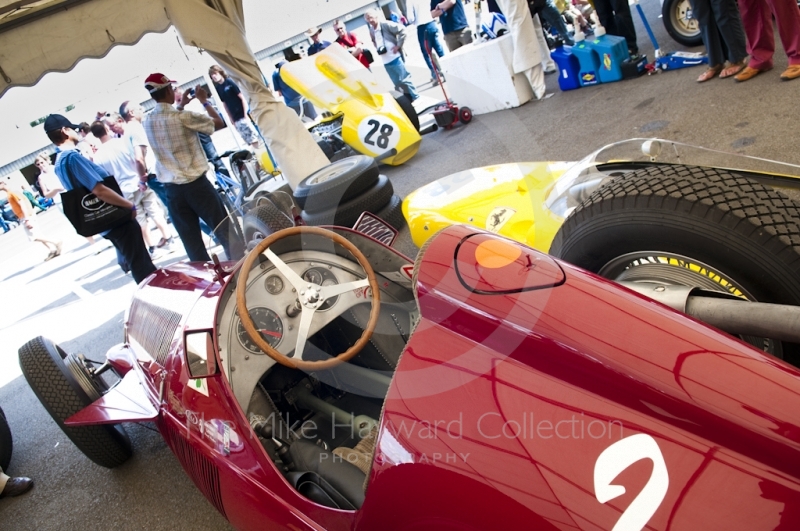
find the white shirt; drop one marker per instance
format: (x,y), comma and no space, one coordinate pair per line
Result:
(116,157)
(389,56)
(172,134)
(135,130)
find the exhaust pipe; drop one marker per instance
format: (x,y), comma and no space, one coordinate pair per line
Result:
(726,312)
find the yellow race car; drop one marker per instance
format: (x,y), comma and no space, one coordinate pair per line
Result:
(371,121)
(664,214)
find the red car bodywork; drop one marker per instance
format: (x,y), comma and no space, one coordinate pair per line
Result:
(527,392)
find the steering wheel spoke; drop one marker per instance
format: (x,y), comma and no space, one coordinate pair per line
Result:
(328,292)
(293,278)
(302,333)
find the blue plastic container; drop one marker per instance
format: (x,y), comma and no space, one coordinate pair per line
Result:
(612,51)
(588,60)
(568,67)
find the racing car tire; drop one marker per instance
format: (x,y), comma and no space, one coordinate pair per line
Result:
(336,183)
(347,213)
(236,241)
(408,109)
(671,12)
(263,221)
(6,442)
(42,364)
(746,231)
(392,213)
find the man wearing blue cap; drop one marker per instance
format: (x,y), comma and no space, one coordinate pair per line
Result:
(72,167)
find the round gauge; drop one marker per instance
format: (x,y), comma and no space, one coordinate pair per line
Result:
(267,323)
(330,302)
(314,276)
(274,284)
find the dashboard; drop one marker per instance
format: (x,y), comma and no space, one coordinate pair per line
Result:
(271,300)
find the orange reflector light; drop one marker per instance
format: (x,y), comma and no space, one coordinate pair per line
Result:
(494,254)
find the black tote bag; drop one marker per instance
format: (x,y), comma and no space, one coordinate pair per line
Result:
(89,214)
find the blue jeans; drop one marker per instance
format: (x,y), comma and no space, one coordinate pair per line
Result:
(3,223)
(429,33)
(401,78)
(551,15)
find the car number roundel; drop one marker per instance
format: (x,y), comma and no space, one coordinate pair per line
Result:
(378,133)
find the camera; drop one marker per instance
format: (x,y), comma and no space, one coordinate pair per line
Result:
(382,50)
(190,92)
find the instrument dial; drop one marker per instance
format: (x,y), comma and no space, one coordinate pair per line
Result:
(268,324)
(273,284)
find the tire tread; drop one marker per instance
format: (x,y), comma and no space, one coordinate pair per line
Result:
(106,445)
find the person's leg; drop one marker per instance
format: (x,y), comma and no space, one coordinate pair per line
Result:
(151,209)
(206,203)
(247,131)
(158,187)
(309,110)
(451,39)
(465,36)
(548,65)
(731,30)
(757,21)
(3,223)
(624,23)
(141,216)
(432,34)
(550,14)
(787,17)
(186,221)
(211,154)
(401,78)
(605,14)
(701,10)
(127,238)
(422,37)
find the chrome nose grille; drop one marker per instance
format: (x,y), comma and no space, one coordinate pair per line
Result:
(153,327)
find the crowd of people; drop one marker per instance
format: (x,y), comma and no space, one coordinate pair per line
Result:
(158,160)
(159,163)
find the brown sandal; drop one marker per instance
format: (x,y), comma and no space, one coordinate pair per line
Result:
(733,69)
(710,73)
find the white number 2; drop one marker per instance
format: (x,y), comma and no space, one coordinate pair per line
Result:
(617,458)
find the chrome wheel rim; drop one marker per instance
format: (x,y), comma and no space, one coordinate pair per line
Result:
(678,270)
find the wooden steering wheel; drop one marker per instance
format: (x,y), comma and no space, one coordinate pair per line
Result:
(311,297)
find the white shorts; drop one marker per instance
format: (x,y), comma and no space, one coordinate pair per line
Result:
(246,130)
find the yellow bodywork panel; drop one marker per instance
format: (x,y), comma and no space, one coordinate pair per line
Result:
(373,121)
(507,199)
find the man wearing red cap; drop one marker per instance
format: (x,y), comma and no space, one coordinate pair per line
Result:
(181,163)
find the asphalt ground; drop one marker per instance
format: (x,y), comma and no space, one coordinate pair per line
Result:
(78,299)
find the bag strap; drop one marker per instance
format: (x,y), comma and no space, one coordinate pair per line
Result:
(65,165)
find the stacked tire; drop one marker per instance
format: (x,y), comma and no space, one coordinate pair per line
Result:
(339,193)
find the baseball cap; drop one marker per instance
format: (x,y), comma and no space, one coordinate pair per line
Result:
(54,122)
(156,82)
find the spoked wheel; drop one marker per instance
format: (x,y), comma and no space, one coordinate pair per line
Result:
(6,442)
(691,226)
(65,384)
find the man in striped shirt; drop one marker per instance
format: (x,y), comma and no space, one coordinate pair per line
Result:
(181,164)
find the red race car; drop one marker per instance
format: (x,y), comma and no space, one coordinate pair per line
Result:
(327,382)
